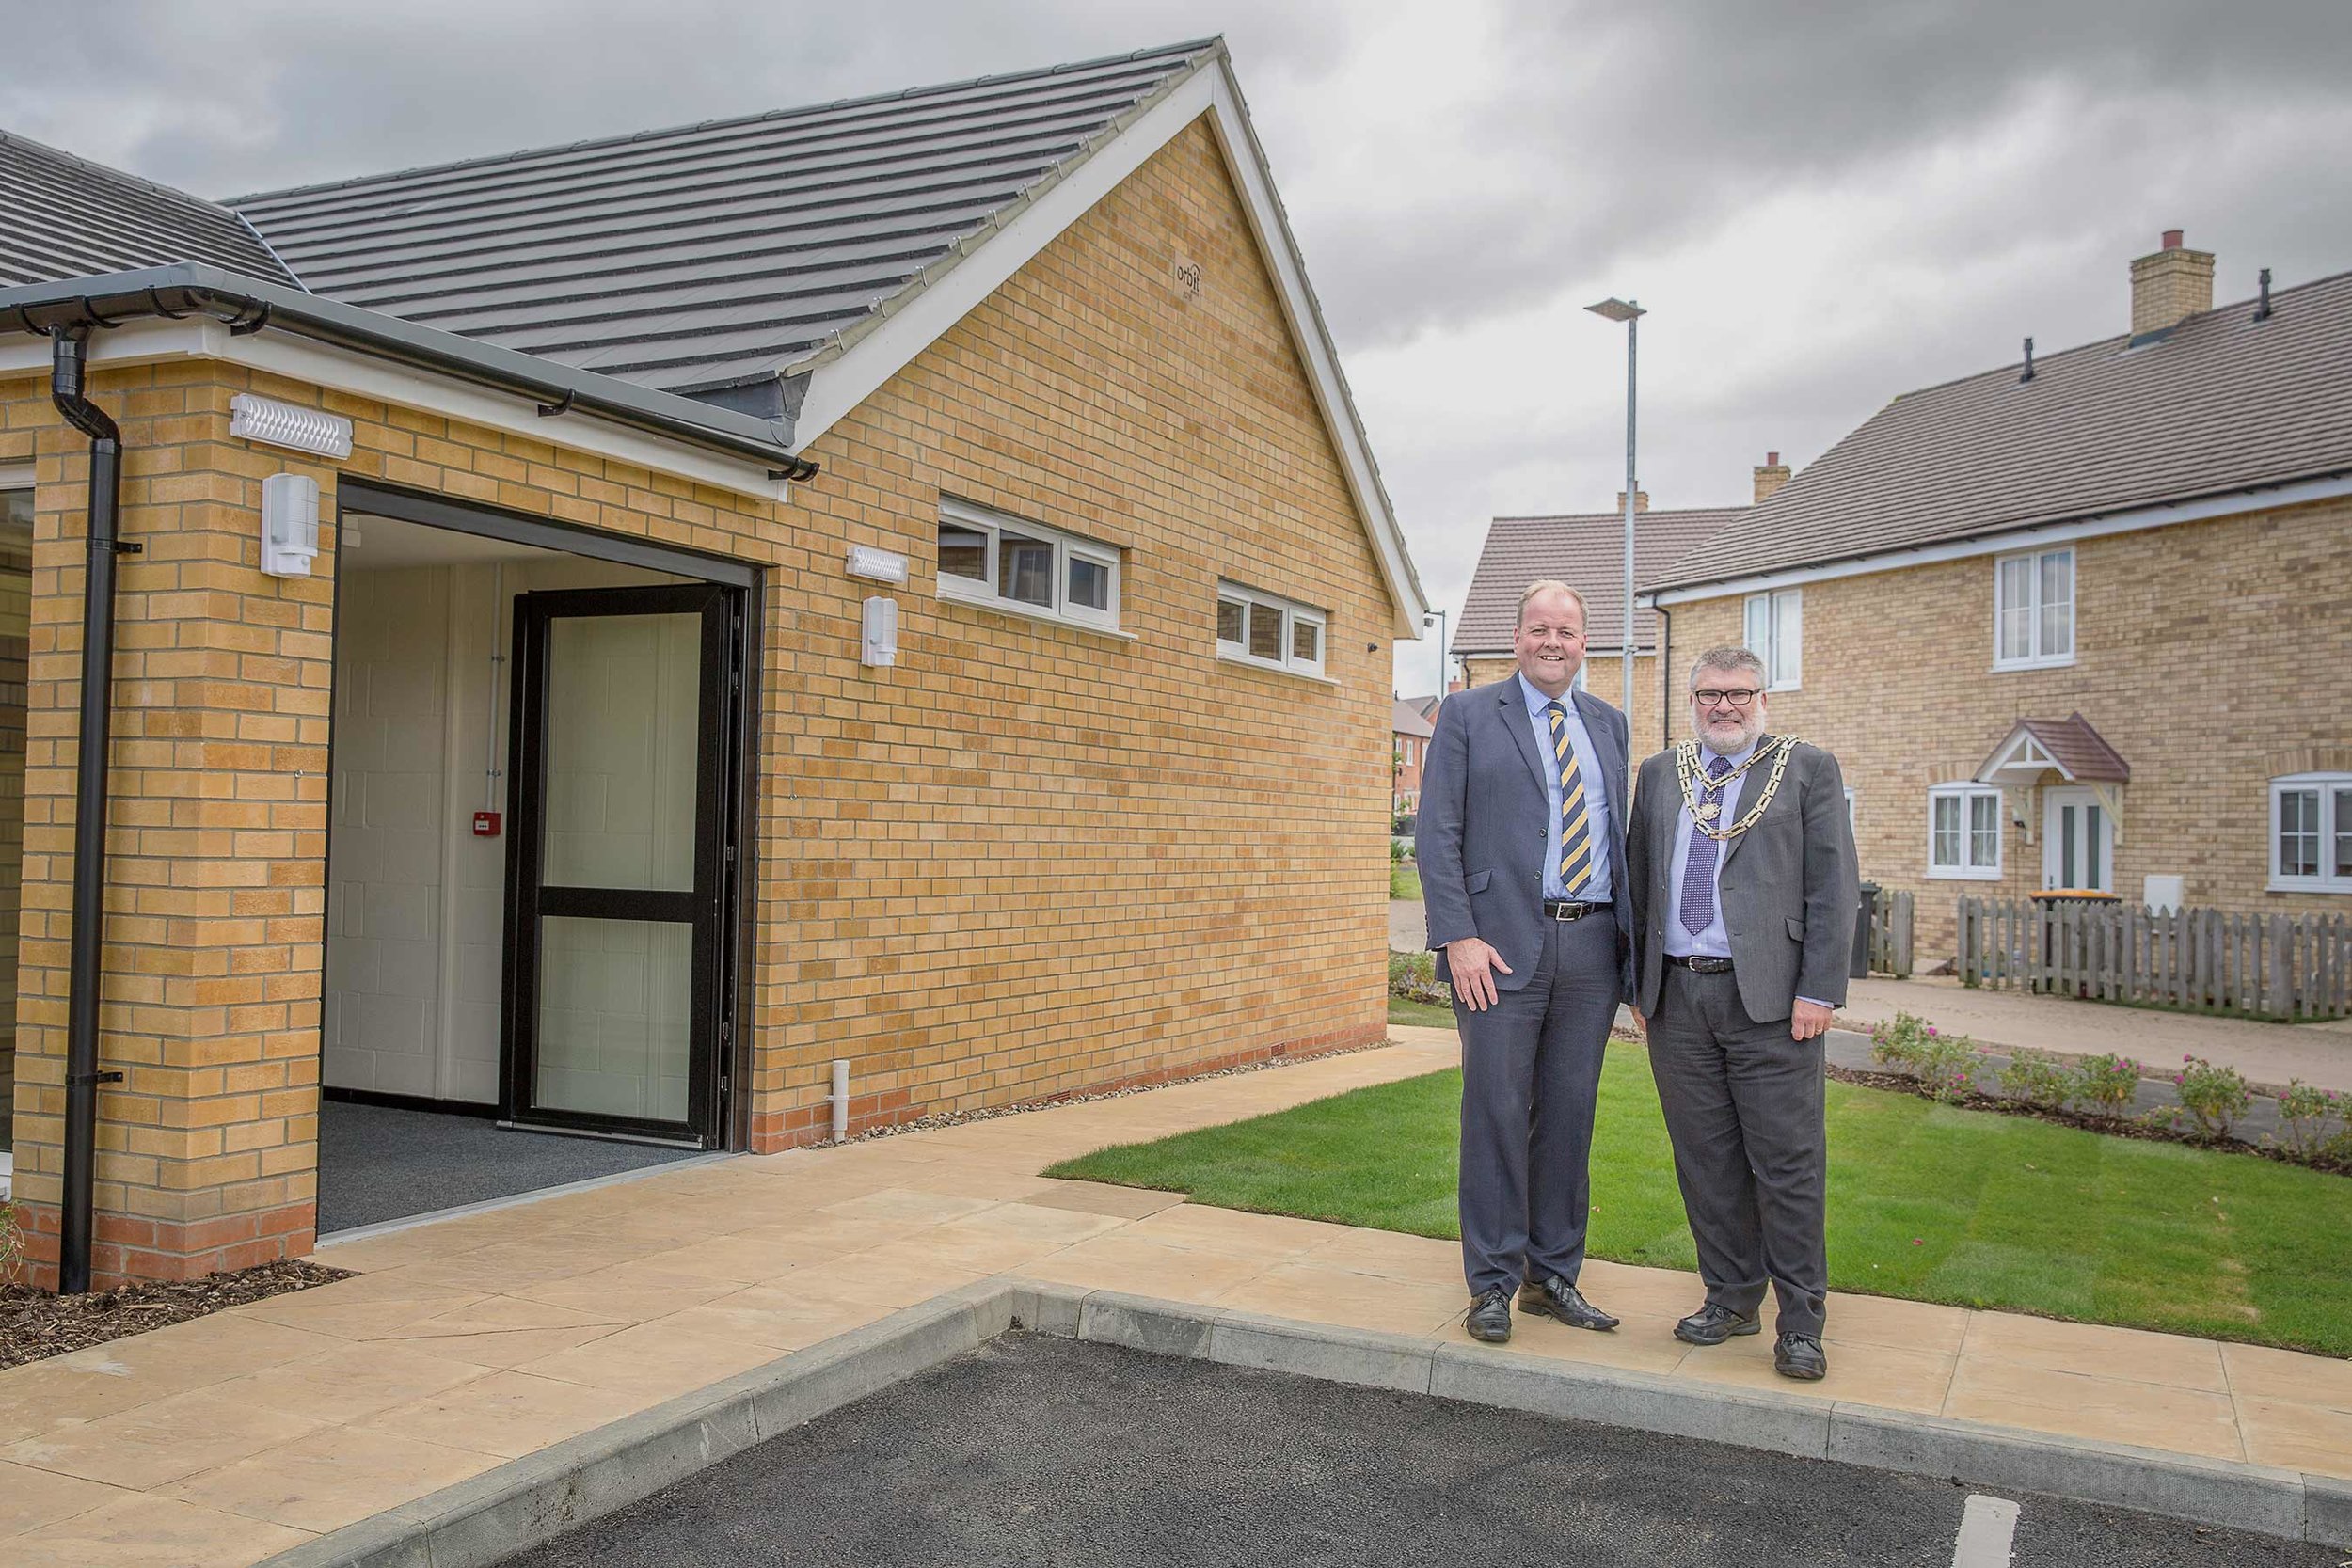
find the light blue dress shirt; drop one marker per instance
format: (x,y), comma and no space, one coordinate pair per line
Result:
(1715,942)
(1596,791)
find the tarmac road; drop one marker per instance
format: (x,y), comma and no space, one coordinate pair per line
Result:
(1036,1450)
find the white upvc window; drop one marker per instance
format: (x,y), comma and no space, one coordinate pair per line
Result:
(990,558)
(1267,630)
(2310,833)
(2033,609)
(1965,833)
(1776,634)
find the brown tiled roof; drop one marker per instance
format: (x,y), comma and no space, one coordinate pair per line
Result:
(2221,402)
(1587,552)
(1409,721)
(2080,751)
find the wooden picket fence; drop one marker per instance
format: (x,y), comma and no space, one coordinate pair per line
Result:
(2289,966)
(1890,933)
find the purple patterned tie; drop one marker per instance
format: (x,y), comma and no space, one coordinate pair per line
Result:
(1698,867)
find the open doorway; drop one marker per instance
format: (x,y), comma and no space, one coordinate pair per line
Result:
(537,755)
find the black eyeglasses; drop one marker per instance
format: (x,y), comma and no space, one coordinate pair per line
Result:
(1711,697)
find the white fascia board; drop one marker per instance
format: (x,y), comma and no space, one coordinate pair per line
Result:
(2204,509)
(838,385)
(344,370)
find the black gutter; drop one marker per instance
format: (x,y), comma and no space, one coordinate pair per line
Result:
(248,305)
(90,798)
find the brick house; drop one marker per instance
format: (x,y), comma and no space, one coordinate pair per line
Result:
(1586,550)
(1411,731)
(2059,620)
(770,579)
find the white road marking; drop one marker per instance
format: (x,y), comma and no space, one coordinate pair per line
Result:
(1986,1527)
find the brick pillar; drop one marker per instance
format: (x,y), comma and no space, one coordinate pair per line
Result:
(216,845)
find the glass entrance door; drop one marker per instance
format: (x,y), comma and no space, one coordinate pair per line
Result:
(617,891)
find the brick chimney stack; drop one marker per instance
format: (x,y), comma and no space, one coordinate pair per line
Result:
(1640,504)
(1770,475)
(2170,287)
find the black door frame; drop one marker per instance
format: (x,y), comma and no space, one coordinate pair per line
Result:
(373,497)
(531,902)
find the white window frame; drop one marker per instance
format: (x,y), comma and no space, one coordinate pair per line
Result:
(1968,870)
(2037,657)
(1293,614)
(1067,547)
(2332,821)
(1784,613)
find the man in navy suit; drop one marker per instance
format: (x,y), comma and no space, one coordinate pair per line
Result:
(1521,844)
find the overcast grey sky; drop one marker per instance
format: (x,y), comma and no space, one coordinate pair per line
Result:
(1823,204)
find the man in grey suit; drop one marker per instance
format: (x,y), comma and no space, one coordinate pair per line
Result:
(1741,860)
(1522,846)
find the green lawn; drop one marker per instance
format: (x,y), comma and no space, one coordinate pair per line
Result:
(1925,1202)
(1428,1014)
(1404,882)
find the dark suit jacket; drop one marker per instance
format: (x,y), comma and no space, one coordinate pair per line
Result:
(1485,828)
(1788,885)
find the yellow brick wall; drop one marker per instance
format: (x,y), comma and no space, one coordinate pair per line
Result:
(2196,647)
(1029,860)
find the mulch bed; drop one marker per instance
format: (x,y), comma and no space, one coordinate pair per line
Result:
(2114,1127)
(35,1324)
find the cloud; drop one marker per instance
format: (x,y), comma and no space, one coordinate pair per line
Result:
(1823,202)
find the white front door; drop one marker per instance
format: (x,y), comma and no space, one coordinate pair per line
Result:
(2077,841)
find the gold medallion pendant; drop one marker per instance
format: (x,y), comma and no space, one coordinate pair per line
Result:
(1707,811)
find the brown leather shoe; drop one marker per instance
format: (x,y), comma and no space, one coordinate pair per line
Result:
(1556,1298)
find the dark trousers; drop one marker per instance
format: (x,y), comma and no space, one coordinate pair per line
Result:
(1530,1070)
(1743,1107)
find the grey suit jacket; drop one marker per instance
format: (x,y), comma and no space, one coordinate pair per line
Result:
(1788,884)
(1484,828)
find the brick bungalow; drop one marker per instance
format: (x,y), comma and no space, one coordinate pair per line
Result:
(898,583)
(2069,623)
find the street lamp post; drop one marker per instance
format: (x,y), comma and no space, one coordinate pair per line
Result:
(1438,615)
(1631,313)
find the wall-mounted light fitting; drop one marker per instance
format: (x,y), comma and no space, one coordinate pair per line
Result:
(877,565)
(878,633)
(290,524)
(286,424)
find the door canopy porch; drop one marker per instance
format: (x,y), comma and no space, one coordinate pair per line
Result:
(2035,749)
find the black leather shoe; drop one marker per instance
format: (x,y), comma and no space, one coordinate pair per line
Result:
(1489,1316)
(1556,1298)
(1712,1324)
(1800,1356)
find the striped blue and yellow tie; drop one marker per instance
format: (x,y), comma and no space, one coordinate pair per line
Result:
(1576,827)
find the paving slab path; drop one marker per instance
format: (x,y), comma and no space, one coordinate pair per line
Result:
(2267,1054)
(470,1341)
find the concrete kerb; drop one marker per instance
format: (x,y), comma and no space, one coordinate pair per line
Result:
(529,1500)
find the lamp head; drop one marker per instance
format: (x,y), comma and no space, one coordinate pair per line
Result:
(1617,309)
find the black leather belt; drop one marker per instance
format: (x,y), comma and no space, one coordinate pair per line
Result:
(1699,964)
(1563,909)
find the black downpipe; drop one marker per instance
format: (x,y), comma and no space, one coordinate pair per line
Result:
(1665,676)
(90,795)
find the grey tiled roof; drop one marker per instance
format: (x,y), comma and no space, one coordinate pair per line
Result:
(1587,552)
(710,256)
(2222,403)
(62,216)
(1407,720)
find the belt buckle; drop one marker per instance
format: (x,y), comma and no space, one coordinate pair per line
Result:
(1564,910)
